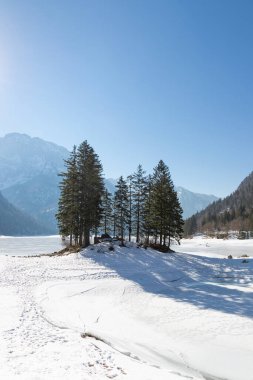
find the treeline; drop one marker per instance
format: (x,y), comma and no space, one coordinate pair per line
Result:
(144,206)
(233,213)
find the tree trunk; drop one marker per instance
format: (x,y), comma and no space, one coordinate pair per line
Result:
(86,238)
(138,222)
(161,238)
(148,237)
(105,229)
(129,233)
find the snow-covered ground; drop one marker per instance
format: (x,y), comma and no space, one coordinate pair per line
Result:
(127,314)
(215,247)
(30,245)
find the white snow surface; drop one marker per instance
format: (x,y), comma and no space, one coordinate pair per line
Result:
(127,314)
(205,246)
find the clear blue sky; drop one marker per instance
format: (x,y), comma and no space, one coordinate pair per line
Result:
(140,80)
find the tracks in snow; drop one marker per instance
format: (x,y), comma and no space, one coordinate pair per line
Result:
(36,348)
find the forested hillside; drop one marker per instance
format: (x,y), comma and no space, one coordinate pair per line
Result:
(234,212)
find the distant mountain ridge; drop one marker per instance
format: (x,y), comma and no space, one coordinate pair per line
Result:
(38,197)
(23,157)
(16,223)
(29,179)
(233,213)
(193,202)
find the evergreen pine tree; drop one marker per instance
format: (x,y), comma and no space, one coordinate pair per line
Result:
(81,191)
(130,205)
(91,188)
(67,216)
(176,219)
(147,214)
(165,217)
(107,213)
(140,193)
(121,207)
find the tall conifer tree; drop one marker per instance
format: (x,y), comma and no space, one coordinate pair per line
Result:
(107,213)
(91,188)
(67,216)
(130,205)
(121,207)
(81,192)
(140,193)
(165,215)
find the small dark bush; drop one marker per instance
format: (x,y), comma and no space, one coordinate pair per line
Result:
(160,248)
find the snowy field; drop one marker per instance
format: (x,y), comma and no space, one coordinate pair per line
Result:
(128,314)
(216,247)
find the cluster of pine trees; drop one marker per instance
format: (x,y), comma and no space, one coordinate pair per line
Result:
(146,207)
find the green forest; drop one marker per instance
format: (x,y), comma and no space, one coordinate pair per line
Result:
(233,213)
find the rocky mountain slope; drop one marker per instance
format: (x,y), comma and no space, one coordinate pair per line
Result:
(14,222)
(23,158)
(29,179)
(193,202)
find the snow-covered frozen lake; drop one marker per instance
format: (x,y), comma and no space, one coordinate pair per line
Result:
(215,247)
(29,246)
(129,314)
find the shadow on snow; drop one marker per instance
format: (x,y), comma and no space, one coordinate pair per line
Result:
(207,283)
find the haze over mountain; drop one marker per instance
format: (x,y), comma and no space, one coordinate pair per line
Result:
(29,179)
(23,158)
(193,202)
(233,213)
(15,222)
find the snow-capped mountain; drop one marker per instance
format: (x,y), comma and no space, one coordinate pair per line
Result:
(193,202)
(29,179)
(23,157)
(110,184)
